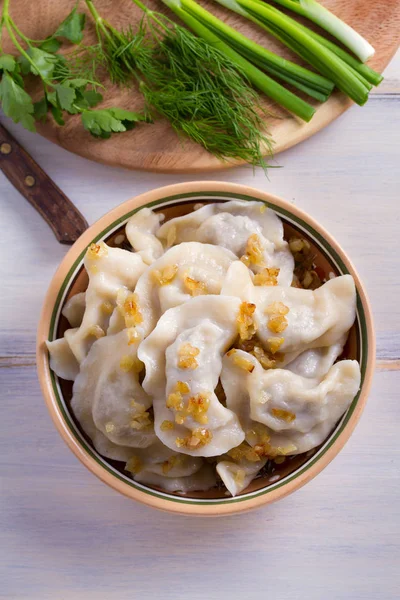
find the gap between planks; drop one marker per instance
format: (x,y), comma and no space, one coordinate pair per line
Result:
(9,362)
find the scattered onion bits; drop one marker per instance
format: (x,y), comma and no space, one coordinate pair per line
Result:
(277,321)
(95,331)
(134,465)
(198,438)
(246,325)
(283,415)
(240,361)
(131,363)
(95,251)
(267,277)
(274,344)
(254,254)
(194,287)
(166,275)
(187,357)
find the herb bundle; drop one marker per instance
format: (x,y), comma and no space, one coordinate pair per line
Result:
(185,80)
(69,82)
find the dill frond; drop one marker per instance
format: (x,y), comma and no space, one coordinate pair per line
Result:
(188,82)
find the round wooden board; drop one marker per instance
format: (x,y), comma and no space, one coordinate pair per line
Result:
(156,147)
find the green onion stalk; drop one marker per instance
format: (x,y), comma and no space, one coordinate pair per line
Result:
(307,45)
(312,10)
(260,80)
(303,79)
(365,72)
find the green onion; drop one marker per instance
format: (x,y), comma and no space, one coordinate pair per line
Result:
(298,39)
(364,71)
(312,58)
(311,83)
(311,9)
(260,80)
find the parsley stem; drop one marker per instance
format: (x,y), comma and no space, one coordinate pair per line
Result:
(22,35)
(7,18)
(6,8)
(9,27)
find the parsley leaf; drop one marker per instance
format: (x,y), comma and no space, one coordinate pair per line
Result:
(7,63)
(46,65)
(24,65)
(44,62)
(50,44)
(57,114)
(129,119)
(85,99)
(92,98)
(65,96)
(16,103)
(77,82)
(102,123)
(55,108)
(72,96)
(72,27)
(52,98)
(40,109)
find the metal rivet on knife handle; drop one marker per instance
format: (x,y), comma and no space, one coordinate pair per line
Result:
(5,148)
(30,180)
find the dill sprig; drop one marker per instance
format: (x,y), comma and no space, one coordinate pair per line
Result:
(190,83)
(82,62)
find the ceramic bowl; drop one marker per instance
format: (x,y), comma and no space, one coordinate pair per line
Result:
(70,279)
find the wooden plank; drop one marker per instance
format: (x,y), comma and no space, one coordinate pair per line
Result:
(65,535)
(28,360)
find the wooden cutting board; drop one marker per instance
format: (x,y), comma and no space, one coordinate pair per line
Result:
(156,147)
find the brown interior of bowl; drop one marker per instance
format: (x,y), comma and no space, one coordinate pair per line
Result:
(272,470)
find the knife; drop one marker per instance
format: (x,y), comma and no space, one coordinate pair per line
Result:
(36,186)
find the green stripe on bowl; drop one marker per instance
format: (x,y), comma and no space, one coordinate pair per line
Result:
(361,330)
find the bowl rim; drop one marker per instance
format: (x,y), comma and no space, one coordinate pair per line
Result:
(165,501)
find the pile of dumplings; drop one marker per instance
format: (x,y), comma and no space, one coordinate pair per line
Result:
(197,357)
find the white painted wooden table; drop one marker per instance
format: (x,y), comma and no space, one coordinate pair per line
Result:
(66,536)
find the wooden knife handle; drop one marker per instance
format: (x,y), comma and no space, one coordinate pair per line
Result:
(32,182)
